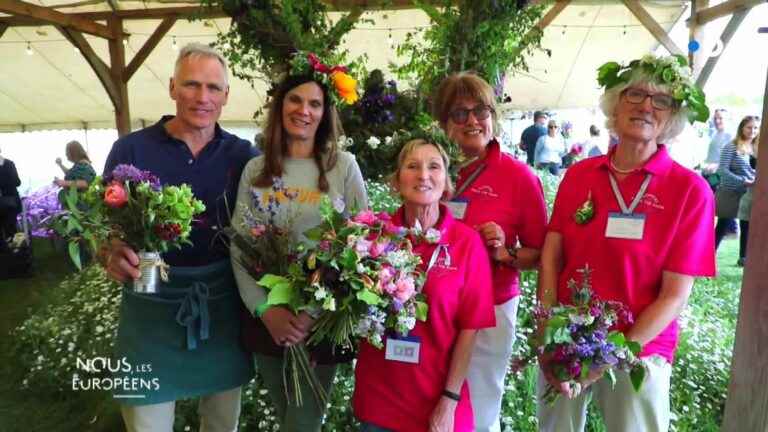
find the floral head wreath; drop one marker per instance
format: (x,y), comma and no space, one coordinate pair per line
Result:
(342,86)
(670,71)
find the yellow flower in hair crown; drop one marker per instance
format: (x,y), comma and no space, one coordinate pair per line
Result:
(342,86)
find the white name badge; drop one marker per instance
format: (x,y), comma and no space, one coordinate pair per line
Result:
(403,349)
(625,226)
(458,208)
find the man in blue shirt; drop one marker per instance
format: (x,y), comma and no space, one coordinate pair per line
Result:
(187,333)
(532,134)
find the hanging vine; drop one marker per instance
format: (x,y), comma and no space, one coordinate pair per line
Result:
(264,33)
(491,37)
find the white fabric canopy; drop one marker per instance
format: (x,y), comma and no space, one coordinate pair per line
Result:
(56,89)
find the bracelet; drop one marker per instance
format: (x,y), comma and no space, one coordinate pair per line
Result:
(451,395)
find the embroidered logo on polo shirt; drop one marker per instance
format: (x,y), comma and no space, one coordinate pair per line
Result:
(651,200)
(485,190)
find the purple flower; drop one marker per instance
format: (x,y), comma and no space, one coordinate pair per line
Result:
(124,172)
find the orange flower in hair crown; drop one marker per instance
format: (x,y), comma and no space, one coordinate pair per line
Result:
(342,86)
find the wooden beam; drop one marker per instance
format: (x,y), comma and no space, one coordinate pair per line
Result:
(652,26)
(52,17)
(746,408)
(730,29)
(3,28)
(134,14)
(705,15)
(117,71)
(113,4)
(545,21)
(148,46)
(697,32)
(99,67)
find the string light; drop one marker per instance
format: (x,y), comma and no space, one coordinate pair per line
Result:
(564,28)
(390,41)
(29,49)
(624,33)
(174,45)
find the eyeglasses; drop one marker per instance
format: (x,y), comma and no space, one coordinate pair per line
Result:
(461,115)
(659,101)
(553,127)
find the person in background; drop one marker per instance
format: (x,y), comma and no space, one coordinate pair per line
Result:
(189,332)
(595,145)
(504,201)
(532,133)
(301,154)
(432,394)
(550,150)
(648,236)
(81,174)
(719,137)
(10,204)
(573,148)
(736,174)
(745,208)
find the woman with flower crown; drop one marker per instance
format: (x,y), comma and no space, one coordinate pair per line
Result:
(299,165)
(644,224)
(418,382)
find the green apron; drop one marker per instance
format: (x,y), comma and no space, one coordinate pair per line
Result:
(184,341)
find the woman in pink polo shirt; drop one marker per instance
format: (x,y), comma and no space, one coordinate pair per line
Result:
(503,200)
(648,235)
(428,391)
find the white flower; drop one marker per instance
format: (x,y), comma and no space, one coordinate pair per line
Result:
(373,142)
(99,329)
(338,204)
(387,140)
(321,294)
(432,235)
(329,304)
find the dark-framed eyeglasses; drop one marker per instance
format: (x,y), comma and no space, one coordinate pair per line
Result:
(553,127)
(659,101)
(461,115)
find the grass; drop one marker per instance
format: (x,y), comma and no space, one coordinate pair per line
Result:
(23,410)
(30,411)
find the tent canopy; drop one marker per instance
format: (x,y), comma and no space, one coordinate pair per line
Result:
(55,88)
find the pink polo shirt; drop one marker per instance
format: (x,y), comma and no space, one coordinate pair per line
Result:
(678,235)
(508,193)
(401,396)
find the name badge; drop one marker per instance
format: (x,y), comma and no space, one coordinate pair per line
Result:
(458,207)
(625,226)
(403,349)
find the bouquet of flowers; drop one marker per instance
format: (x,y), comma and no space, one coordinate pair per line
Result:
(130,205)
(582,337)
(360,279)
(42,205)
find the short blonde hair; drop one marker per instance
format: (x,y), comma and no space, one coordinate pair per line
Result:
(407,149)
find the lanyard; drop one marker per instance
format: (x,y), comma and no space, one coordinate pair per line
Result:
(472,177)
(638,196)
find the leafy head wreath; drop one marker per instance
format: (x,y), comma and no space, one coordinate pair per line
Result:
(670,71)
(342,86)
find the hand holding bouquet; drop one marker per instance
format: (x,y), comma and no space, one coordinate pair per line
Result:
(577,343)
(130,205)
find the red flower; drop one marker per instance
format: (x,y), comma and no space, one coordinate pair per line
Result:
(316,64)
(168,232)
(115,195)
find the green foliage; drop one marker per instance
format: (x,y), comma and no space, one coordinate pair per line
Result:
(264,33)
(490,37)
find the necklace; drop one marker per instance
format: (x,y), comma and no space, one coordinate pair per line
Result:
(621,171)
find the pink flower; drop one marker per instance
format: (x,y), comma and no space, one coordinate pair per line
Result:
(378,247)
(383,216)
(392,229)
(258,230)
(366,217)
(386,274)
(115,196)
(324,245)
(362,246)
(405,289)
(389,288)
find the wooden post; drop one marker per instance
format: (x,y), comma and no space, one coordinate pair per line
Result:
(117,71)
(3,28)
(697,33)
(652,26)
(746,408)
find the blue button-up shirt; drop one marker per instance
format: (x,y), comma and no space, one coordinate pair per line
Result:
(213,176)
